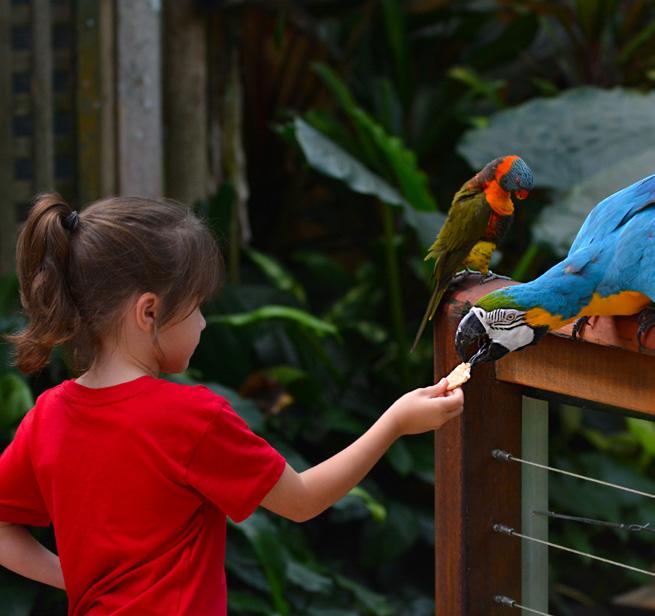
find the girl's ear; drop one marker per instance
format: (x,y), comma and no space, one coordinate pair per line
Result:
(145,311)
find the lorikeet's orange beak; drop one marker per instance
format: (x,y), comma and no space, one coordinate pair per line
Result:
(521,194)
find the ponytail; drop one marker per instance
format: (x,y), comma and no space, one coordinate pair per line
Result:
(78,273)
(43,261)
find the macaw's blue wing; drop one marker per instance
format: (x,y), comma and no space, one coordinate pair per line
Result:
(614,212)
(567,287)
(632,267)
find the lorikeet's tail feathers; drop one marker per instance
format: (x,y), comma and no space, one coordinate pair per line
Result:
(435,300)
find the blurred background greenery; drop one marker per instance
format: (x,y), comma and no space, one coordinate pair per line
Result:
(345,129)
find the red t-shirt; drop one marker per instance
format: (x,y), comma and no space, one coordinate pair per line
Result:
(137,480)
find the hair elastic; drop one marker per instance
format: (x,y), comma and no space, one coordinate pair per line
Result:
(71,221)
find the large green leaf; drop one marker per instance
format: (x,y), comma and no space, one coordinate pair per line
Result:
(558,224)
(411,180)
(286,313)
(330,159)
(271,552)
(327,157)
(583,145)
(570,137)
(278,274)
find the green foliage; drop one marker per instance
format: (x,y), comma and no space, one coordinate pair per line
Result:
(15,399)
(329,158)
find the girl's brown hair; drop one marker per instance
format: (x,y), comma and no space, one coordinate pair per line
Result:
(76,274)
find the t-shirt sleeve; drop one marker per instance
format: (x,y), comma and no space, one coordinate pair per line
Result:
(233,467)
(21,501)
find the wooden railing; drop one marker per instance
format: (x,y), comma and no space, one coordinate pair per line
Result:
(474,491)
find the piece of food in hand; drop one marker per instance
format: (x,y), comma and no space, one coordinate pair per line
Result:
(459,376)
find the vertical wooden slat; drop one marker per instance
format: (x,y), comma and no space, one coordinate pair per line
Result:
(96,155)
(473,491)
(88,97)
(185,101)
(7,202)
(108,137)
(43,138)
(535,498)
(139,101)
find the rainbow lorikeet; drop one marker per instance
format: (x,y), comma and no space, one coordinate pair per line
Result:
(479,217)
(609,270)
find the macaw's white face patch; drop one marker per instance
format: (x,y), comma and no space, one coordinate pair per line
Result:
(506,326)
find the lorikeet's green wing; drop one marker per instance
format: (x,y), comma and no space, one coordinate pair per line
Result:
(466,224)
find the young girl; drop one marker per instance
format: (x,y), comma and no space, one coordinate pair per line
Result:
(138,474)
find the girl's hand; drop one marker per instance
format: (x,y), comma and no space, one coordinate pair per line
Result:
(426,408)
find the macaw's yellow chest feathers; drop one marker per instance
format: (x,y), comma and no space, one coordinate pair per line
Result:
(622,303)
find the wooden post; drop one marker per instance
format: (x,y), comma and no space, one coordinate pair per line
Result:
(7,202)
(139,101)
(95,100)
(185,102)
(43,148)
(473,491)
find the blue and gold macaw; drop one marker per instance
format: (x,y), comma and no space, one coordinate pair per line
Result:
(609,270)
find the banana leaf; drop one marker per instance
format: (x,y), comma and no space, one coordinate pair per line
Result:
(330,159)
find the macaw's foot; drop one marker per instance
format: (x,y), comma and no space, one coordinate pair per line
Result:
(578,327)
(491,276)
(463,275)
(645,321)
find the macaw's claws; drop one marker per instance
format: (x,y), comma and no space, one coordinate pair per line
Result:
(578,327)
(645,321)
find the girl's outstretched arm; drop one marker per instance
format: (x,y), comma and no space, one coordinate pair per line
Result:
(21,553)
(301,496)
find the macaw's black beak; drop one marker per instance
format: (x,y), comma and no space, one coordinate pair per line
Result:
(472,336)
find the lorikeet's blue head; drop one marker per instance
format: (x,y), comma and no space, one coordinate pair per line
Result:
(515,176)
(493,328)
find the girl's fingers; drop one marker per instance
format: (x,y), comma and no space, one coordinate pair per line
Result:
(438,389)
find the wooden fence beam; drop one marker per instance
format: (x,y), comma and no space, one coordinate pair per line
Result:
(600,374)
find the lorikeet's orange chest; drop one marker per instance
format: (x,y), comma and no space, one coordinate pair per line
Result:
(499,200)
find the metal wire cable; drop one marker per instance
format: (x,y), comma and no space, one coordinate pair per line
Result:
(505,456)
(506,530)
(509,602)
(632,527)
